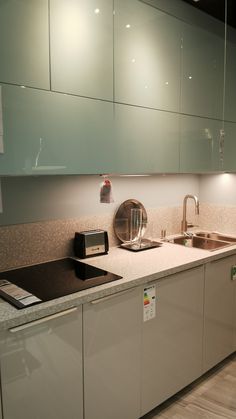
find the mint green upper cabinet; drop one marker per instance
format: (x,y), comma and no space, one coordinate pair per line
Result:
(82,47)
(147,56)
(147,140)
(199,144)
(52,133)
(230,85)
(229,163)
(24,42)
(203,68)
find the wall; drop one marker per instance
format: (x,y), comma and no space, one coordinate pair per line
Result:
(31,199)
(218,202)
(41,214)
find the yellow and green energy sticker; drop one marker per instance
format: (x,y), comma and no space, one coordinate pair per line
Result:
(233,272)
(146,299)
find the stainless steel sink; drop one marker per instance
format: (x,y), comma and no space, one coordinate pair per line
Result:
(200,242)
(216,236)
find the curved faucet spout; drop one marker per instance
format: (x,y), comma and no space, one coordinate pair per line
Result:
(184,223)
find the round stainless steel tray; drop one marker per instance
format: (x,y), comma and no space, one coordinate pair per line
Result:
(122,219)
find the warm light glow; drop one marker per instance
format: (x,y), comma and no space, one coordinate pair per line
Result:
(190,77)
(133,175)
(166,83)
(127,26)
(96,11)
(133,60)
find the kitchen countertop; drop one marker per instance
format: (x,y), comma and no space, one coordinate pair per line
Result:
(136,268)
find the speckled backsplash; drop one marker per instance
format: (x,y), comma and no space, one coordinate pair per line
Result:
(218,218)
(30,243)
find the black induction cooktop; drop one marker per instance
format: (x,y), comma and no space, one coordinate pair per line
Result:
(30,285)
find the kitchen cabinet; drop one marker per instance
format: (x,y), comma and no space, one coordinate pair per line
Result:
(82,47)
(230,102)
(52,133)
(202,84)
(24,43)
(229,148)
(172,341)
(147,140)
(41,368)
(147,56)
(199,144)
(230,79)
(112,344)
(219,311)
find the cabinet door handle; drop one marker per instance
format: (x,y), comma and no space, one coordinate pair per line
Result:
(109,297)
(42,320)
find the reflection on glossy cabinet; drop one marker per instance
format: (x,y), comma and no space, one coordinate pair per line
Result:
(229,163)
(203,69)
(172,341)
(24,42)
(52,133)
(41,369)
(219,311)
(199,144)
(82,47)
(147,53)
(147,140)
(112,344)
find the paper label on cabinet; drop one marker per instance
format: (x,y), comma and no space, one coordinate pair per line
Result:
(149,303)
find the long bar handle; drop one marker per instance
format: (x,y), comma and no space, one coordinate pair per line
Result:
(42,320)
(109,297)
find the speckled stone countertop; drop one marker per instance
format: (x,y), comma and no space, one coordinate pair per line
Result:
(136,268)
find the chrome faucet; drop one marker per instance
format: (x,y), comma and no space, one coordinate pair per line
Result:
(184,223)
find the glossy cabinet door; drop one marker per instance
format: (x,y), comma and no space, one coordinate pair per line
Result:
(147,140)
(229,163)
(230,80)
(147,56)
(172,341)
(52,133)
(82,47)
(41,368)
(202,84)
(199,144)
(24,42)
(229,148)
(219,311)
(112,343)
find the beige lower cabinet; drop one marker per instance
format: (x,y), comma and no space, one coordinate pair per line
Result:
(172,340)
(41,368)
(220,308)
(112,344)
